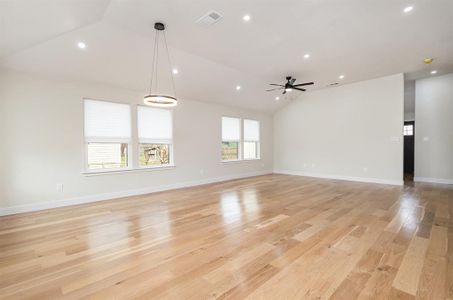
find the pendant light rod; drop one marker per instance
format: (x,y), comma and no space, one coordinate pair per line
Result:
(169,63)
(157,99)
(153,66)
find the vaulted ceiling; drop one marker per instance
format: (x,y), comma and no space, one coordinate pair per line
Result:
(360,39)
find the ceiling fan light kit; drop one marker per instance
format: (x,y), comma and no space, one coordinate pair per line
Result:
(289,85)
(155,99)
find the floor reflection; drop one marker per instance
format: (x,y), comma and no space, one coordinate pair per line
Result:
(231,209)
(250,201)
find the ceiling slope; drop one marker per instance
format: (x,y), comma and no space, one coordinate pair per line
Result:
(361,39)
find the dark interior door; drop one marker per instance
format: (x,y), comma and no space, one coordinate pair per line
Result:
(409,134)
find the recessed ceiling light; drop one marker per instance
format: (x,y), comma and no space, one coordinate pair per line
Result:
(434,72)
(306,56)
(246,18)
(408,9)
(341,76)
(175,71)
(277,98)
(238,87)
(81,45)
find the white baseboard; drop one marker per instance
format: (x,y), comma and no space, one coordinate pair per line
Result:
(433,180)
(337,177)
(113,195)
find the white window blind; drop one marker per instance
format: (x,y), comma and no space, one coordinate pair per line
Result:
(231,129)
(251,130)
(154,125)
(107,121)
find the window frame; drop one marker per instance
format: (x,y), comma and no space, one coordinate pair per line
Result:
(155,141)
(102,140)
(241,140)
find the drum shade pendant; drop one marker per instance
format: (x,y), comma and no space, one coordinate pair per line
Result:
(154,98)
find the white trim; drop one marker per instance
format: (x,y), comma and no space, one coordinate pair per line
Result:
(433,180)
(113,195)
(231,160)
(239,160)
(338,177)
(97,172)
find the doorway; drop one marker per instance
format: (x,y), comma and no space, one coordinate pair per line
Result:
(409,139)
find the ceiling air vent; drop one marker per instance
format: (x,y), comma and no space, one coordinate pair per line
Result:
(210,18)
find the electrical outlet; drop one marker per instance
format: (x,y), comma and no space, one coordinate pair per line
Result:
(60,187)
(365,169)
(201,171)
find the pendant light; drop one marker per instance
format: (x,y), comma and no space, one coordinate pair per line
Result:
(159,99)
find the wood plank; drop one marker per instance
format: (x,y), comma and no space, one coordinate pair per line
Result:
(408,275)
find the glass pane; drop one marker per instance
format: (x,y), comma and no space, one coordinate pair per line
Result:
(408,130)
(153,155)
(250,150)
(107,155)
(230,150)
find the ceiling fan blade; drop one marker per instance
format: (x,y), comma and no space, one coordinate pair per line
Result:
(292,81)
(303,84)
(281,88)
(303,90)
(276,84)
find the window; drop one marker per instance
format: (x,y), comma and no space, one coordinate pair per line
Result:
(408,130)
(237,145)
(251,139)
(155,134)
(231,138)
(107,135)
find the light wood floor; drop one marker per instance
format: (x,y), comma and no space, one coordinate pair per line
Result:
(267,237)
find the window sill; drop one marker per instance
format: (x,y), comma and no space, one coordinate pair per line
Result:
(239,160)
(126,171)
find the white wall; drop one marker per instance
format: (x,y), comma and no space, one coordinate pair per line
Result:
(43,145)
(348,132)
(409,100)
(434,129)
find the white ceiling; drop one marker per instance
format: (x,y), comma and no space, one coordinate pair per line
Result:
(361,39)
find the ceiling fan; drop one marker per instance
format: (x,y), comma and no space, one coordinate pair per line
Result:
(289,85)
